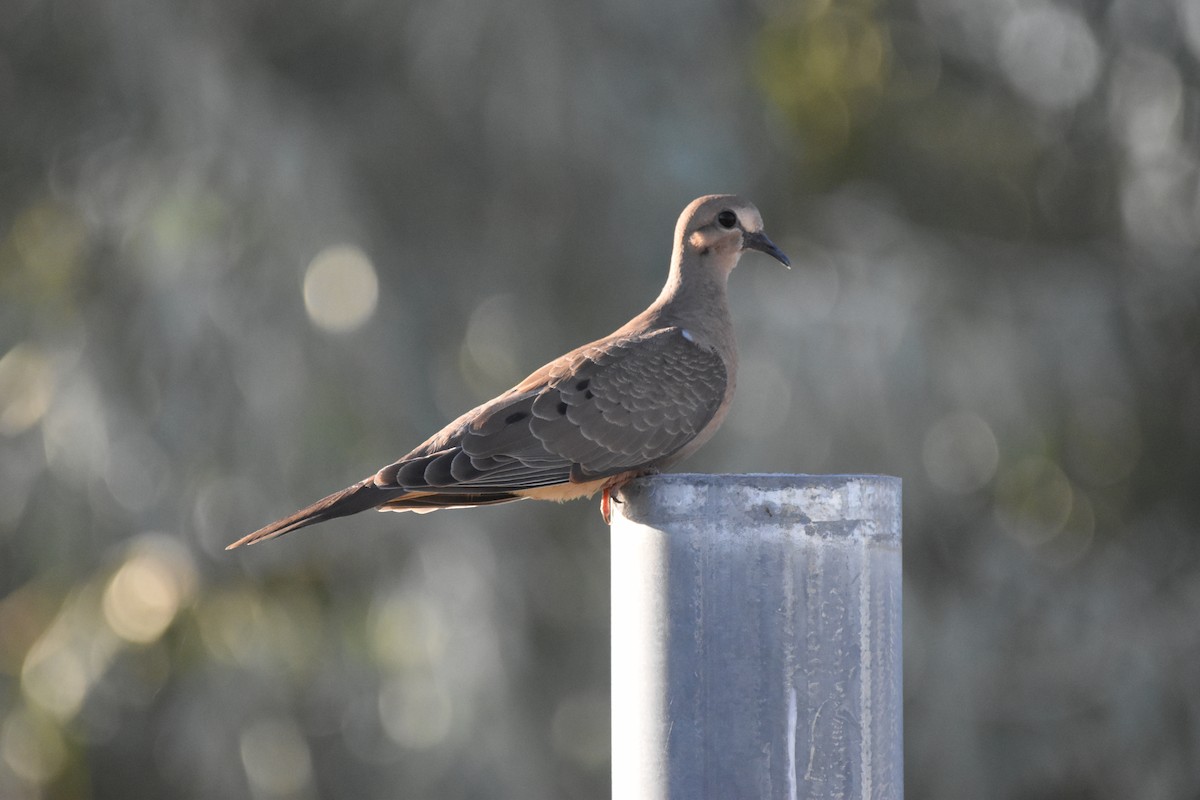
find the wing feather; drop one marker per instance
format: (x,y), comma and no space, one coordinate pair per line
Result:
(614,406)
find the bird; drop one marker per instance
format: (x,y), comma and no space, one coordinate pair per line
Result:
(630,404)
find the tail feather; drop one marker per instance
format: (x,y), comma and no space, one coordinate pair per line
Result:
(351,500)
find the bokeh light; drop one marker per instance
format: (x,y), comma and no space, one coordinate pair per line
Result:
(276,758)
(56,674)
(416,712)
(491,344)
(32,748)
(142,598)
(960,452)
(1034,500)
(26,388)
(340,289)
(1050,55)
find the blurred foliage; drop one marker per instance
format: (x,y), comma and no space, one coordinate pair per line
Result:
(251,251)
(826,67)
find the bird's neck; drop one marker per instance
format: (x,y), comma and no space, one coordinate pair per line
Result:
(697,301)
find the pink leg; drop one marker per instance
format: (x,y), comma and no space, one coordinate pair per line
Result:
(606,505)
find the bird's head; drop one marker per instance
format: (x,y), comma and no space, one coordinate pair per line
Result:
(719,227)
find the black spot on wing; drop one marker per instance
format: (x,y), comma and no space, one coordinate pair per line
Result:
(636,403)
(611,407)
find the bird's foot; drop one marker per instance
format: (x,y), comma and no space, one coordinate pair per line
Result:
(612,494)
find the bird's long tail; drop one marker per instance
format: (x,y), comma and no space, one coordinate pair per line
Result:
(351,500)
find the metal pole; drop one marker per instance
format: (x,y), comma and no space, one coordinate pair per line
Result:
(756,638)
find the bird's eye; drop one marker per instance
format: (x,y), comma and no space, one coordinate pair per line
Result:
(727,219)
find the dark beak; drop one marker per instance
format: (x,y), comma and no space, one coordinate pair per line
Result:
(759,241)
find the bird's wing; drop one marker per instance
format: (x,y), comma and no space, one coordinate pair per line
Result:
(610,407)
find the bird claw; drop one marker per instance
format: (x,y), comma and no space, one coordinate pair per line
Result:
(609,497)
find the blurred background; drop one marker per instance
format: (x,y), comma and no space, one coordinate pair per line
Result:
(252,251)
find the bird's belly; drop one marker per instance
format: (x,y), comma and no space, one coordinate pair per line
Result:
(562,492)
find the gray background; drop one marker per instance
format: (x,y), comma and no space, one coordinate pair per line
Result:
(994,213)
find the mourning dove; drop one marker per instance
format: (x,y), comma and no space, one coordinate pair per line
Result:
(632,403)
